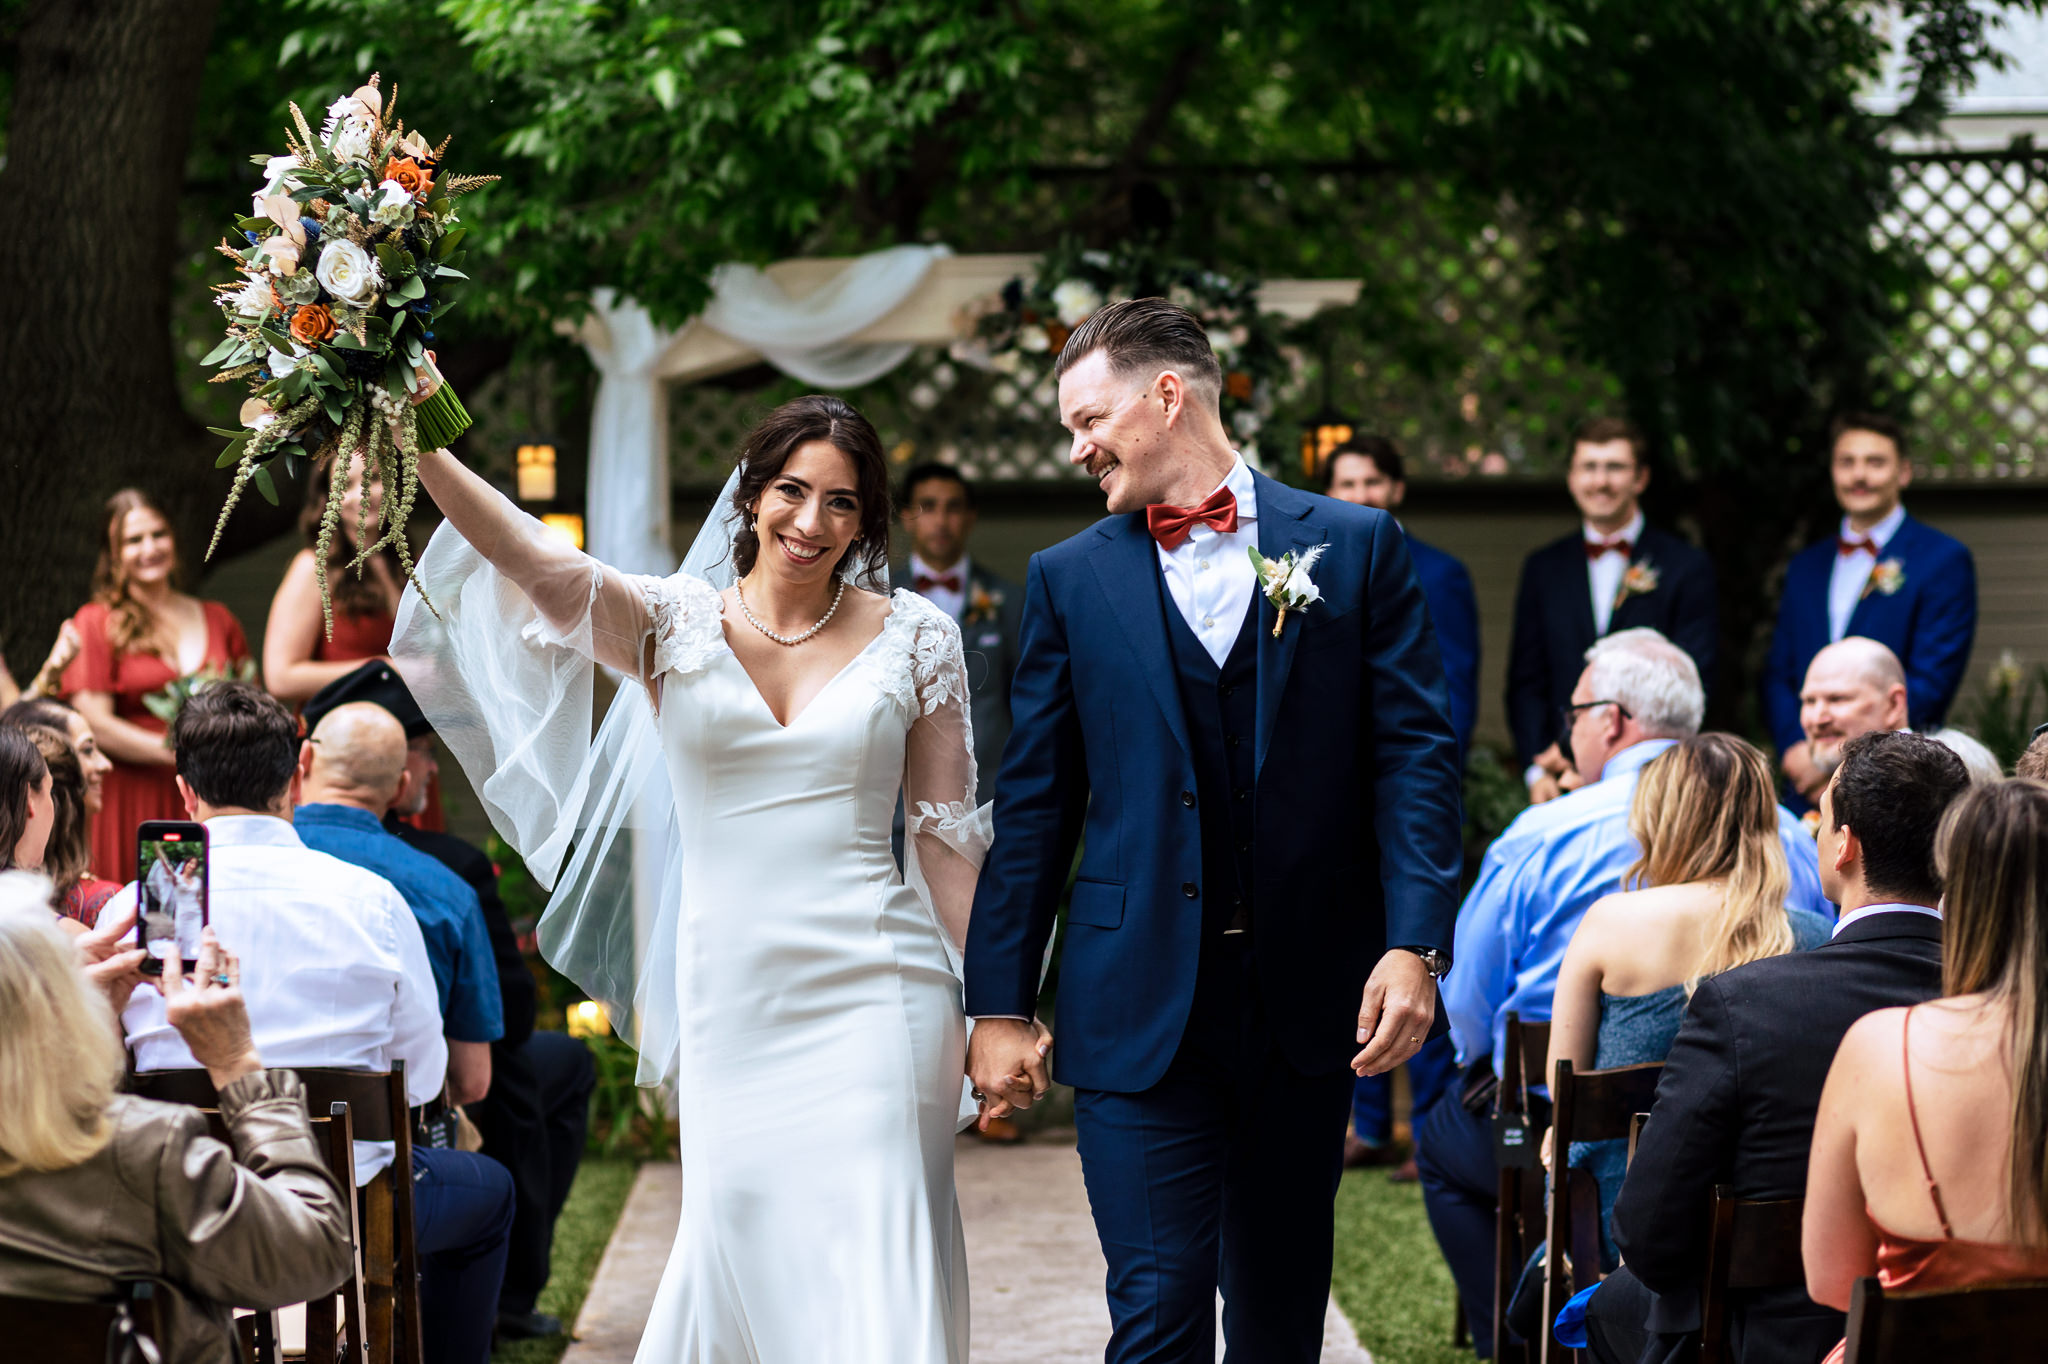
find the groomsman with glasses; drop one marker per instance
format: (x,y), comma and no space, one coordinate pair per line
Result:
(1617,573)
(1883,576)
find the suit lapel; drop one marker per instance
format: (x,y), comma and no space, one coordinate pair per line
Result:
(1870,601)
(1282,530)
(1123,560)
(1578,576)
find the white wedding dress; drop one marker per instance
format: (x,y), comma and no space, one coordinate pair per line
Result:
(816,1005)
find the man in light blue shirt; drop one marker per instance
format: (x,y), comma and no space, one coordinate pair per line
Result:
(1639,695)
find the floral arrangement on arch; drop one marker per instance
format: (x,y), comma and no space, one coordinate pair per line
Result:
(1021,330)
(347,261)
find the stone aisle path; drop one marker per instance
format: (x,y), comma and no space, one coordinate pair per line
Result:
(1037,1271)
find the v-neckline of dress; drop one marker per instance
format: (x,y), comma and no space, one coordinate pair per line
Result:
(830,682)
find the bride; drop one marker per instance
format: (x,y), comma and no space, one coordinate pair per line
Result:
(754,770)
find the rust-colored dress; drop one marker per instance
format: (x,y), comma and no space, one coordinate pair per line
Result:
(132,792)
(1908,1264)
(368,636)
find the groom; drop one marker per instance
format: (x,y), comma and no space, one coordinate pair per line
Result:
(1271,822)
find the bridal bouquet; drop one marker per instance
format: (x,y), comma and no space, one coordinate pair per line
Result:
(347,259)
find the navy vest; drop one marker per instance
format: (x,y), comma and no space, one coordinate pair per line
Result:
(1222,709)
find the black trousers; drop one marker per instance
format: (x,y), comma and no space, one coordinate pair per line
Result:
(534,1121)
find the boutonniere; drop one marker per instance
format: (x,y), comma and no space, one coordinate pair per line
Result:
(982,605)
(1887,578)
(1640,581)
(1286,581)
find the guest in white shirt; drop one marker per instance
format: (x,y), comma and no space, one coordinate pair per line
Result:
(336,974)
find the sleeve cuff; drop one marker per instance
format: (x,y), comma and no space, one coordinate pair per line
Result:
(257,1088)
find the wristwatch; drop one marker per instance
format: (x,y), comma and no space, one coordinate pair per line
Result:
(1433,961)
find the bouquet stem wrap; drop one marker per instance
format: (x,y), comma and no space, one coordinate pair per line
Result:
(441,419)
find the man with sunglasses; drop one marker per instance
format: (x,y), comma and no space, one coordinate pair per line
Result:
(1638,696)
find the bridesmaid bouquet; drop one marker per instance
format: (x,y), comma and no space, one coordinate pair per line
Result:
(348,258)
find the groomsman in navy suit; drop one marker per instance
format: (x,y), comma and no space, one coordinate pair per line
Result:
(1367,471)
(1617,573)
(1884,576)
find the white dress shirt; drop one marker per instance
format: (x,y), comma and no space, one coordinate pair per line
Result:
(1852,571)
(946,599)
(1865,911)
(1605,573)
(333,966)
(1210,578)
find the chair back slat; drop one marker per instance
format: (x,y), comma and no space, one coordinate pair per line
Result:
(1604,1102)
(1981,1321)
(1751,1243)
(57,1332)
(1518,1218)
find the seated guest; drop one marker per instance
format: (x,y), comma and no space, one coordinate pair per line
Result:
(1854,686)
(1741,1084)
(337,975)
(1882,575)
(537,1114)
(351,771)
(67,855)
(1638,696)
(1617,573)
(1927,1154)
(1709,892)
(1981,761)
(82,902)
(27,809)
(2033,764)
(99,1188)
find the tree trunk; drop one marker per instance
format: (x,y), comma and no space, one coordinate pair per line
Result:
(102,112)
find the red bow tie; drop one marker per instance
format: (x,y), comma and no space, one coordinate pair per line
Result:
(1852,544)
(1170,525)
(1618,545)
(925,582)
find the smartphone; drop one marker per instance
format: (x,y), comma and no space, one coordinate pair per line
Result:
(170,891)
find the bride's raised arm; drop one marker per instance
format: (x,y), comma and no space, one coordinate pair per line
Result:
(945,835)
(591,606)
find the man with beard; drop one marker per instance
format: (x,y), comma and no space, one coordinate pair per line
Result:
(1854,686)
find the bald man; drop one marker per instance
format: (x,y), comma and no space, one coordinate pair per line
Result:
(1853,686)
(351,771)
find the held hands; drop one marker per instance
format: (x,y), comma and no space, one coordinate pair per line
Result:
(1395,1015)
(112,967)
(1006,1063)
(1806,779)
(210,1013)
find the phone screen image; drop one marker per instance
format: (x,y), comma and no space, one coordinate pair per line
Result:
(171,895)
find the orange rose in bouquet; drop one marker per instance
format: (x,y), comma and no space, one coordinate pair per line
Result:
(312,324)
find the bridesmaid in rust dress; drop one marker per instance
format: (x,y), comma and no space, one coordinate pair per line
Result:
(298,656)
(137,635)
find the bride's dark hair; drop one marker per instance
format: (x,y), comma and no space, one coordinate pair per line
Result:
(769,445)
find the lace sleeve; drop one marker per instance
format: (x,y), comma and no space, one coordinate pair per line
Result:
(945,835)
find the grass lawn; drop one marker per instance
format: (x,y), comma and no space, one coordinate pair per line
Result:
(1390,1277)
(587,1221)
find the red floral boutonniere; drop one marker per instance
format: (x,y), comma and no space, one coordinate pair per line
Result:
(1886,577)
(1640,581)
(982,605)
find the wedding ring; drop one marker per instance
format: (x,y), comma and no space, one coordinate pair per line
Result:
(221,978)
(979,1097)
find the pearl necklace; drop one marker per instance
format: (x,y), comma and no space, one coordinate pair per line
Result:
(790,640)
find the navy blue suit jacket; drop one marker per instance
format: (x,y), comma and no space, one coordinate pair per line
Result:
(1929,622)
(1454,611)
(1554,624)
(1356,806)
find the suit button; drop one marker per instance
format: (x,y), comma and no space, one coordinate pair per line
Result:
(1244,847)
(1187,798)
(1227,690)
(1188,889)
(1230,741)
(1243,794)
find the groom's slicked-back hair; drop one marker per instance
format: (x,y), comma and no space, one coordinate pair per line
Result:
(1141,337)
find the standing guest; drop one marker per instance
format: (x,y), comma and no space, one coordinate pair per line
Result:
(1710,891)
(1927,1166)
(137,636)
(938,514)
(27,809)
(336,974)
(99,1188)
(1884,576)
(351,772)
(1617,573)
(1639,696)
(1736,1102)
(1368,471)
(536,1116)
(67,855)
(1853,686)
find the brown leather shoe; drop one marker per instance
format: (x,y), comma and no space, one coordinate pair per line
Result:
(1002,1132)
(1358,1155)
(1405,1173)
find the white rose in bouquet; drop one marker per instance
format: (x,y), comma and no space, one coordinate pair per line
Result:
(347,272)
(282,363)
(1074,300)
(393,206)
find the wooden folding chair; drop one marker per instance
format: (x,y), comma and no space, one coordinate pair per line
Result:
(1590,1105)
(1517,1140)
(51,1331)
(1636,1125)
(1983,1321)
(1751,1243)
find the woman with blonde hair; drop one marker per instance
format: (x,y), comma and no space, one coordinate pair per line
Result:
(1709,892)
(137,636)
(98,1187)
(1930,1152)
